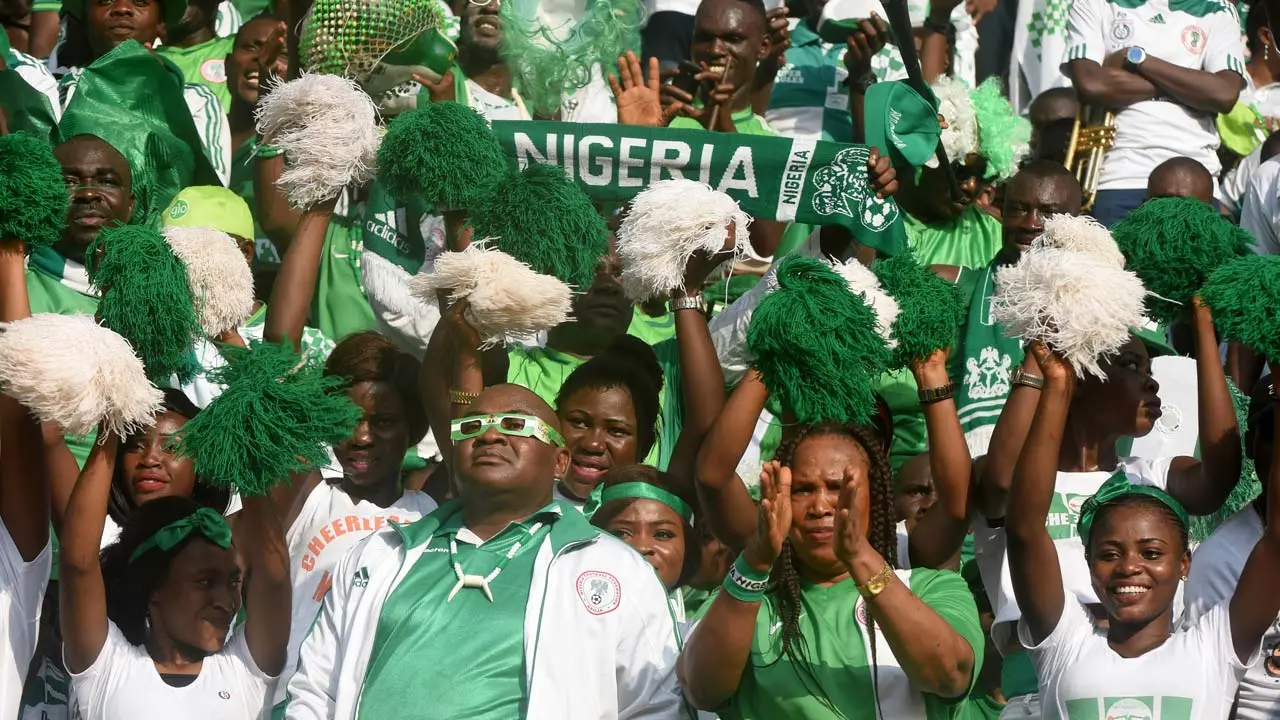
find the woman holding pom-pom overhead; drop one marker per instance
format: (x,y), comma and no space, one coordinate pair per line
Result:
(1084,306)
(148,632)
(1132,537)
(816,620)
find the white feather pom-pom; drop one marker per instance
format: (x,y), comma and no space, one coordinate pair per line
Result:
(667,223)
(1077,304)
(220,279)
(74,373)
(865,283)
(1080,234)
(509,301)
(328,129)
(960,137)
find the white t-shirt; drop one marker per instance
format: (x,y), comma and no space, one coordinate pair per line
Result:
(329,524)
(22,587)
(1192,676)
(1152,131)
(1215,570)
(123,684)
(1070,491)
(1260,207)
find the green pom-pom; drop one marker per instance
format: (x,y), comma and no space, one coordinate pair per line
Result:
(443,152)
(1244,296)
(1003,135)
(276,417)
(33,195)
(930,308)
(542,219)
(1173,244)
(816,346)
(146,299)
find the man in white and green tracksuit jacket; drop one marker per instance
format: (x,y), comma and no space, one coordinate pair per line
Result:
(556,619)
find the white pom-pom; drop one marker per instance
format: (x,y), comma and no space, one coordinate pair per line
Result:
(74,373)
(960,137)
(220,279)
(865,283)
(1080,234)
(509,301)
(328,129)
(1077,304)
(668,222)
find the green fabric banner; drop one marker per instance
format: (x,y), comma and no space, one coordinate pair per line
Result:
(772,178)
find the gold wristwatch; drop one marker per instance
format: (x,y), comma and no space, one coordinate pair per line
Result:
(877,583)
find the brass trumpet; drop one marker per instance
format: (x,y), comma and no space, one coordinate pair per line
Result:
(1091,137)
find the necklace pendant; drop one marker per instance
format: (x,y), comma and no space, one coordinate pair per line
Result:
(456,587)
(484,585)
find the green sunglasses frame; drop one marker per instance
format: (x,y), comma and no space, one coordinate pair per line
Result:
(534,427)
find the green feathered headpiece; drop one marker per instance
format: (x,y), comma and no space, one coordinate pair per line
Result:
(443,152)
(33,195)
(276,417)
(1173,245)
(146,299)
(930,308)
(552,52)
(816,346)
(1244,295)
(1003,136)
(542,219)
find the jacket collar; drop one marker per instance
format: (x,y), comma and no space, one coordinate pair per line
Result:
(572,527)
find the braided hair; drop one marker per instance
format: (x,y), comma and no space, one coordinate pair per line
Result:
(882,533)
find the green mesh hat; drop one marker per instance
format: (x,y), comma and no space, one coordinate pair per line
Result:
(134,101)
(173,10)
(378,43)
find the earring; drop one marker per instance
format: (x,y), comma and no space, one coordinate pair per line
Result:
(1184,578)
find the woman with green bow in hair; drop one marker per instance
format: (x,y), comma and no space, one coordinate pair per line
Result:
(1124,657)
(148,630)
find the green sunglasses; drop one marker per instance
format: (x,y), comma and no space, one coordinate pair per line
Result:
(514,425)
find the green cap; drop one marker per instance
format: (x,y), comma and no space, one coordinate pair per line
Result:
(213,207)
(173,10)
(134,100)
(1241,129)
(901,124)
(1155,338)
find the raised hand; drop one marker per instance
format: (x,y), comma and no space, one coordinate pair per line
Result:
(864,43)
(639,100)
(774,523)
(851,530)
(1055,367)
(700,264)
(463,333)
(779,33)
(881,175)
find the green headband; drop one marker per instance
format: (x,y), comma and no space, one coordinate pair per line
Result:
(209,523)
(1116,487)
(622,491)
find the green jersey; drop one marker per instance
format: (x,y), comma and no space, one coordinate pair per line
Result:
(204,64)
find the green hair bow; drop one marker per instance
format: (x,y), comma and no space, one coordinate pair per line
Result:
(208,523)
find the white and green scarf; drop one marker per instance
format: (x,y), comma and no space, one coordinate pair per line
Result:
(47,261)
(772,178)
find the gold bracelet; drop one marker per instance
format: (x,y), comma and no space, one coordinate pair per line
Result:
(877,583)
(462,397)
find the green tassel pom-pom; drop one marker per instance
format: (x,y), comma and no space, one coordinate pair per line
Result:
(542,219)
(930,308)
(1173,244)
(33,195)
(276,417)
(816,346)
(146,299)
(443,152)
(1244,296)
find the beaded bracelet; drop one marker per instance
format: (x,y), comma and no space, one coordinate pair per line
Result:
(744,583)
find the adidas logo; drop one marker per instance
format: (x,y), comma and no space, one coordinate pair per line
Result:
(361,579)
(1158,19)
